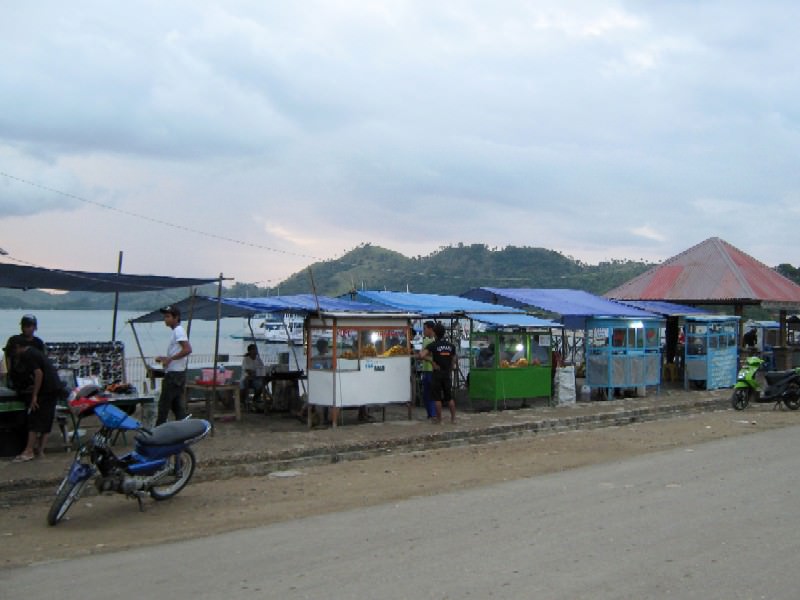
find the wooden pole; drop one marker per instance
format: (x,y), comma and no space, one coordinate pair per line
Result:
(116,302)
(216,350)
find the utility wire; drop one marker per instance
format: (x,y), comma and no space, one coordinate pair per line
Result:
(158,221)
(217,236)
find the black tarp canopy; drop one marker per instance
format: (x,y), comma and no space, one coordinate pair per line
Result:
(202,308)
(29,278)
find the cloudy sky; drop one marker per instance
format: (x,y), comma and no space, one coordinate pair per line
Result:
(253,138)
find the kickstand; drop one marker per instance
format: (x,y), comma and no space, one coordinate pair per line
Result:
(139,496)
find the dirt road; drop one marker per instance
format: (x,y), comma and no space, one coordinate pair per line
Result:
(108,523)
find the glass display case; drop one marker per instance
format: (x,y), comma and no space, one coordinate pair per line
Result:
(359,361)
(509,365)
(623,353)
(711,352)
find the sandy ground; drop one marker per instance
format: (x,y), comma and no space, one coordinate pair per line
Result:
(108,523)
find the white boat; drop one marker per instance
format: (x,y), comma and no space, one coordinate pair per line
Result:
(288,329)
(274,330)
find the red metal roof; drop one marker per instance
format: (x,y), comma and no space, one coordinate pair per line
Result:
(711,271)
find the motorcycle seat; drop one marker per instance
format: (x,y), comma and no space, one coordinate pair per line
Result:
(776,376)
(173,432)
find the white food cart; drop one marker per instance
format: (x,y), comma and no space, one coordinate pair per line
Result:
(359,360)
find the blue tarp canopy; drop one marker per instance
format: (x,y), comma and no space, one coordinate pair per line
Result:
(204,308)
(499,320)
(307,304)
(666,309)
(574,306)
(440,306)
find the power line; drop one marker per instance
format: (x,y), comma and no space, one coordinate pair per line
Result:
(218,236)
(159,221)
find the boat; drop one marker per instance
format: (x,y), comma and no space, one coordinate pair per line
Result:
(289,328)
(272,330)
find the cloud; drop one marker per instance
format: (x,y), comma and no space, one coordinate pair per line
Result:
(300,130)
(286,235)
(648,233)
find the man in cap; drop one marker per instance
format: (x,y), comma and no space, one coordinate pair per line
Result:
(18,379)
(174,363)
(41,397)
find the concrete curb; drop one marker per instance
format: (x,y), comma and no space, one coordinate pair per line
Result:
(257,464)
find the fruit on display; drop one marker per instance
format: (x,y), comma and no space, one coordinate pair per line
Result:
(368,350)
(504,364)
(398,350)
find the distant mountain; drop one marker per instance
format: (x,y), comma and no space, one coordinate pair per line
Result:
(449,270)
(456,269)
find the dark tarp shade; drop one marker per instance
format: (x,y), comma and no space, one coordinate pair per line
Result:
(30,278)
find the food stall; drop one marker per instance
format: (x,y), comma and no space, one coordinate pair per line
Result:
(511,359)
(359,360)
(767,337)
(505,355)
(623,353)
(711,352)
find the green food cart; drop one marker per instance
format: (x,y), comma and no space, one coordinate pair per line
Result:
(510,360)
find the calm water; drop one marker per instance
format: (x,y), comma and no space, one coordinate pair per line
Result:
(95,326)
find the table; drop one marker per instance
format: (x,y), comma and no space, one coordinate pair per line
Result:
(208,390)
(287,392)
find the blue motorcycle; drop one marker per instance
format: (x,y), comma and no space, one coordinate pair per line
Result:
(160,465)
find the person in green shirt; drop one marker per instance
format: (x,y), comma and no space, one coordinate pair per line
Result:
(427,370)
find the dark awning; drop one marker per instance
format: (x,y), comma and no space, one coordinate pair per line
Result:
(29,278)
(199,308)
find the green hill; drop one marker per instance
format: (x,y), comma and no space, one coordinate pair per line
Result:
(455,269)
(449,270)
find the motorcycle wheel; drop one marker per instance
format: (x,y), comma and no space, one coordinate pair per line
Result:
(740,398)
(181,468)
(792,400)
(66,497)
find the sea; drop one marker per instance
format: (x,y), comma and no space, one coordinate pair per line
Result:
(96,326)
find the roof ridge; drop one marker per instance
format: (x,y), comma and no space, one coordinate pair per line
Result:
(723,248)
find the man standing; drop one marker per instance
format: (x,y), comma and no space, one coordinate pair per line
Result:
(444,358)
(20,380)
(44,393)
(427,369)
(174,363)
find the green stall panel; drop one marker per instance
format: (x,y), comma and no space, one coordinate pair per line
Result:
(499,385)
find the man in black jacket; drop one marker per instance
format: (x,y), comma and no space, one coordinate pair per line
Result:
(444,358)
(42,396)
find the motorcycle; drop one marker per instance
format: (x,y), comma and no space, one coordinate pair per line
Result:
(160,465)
(782,386)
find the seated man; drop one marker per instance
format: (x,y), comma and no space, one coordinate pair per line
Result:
(253,372)
(485,357)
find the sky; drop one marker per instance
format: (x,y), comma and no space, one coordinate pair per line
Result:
(254,138)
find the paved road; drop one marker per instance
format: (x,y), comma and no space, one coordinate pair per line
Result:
(715,521)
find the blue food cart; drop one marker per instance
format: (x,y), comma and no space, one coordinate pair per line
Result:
(711,352)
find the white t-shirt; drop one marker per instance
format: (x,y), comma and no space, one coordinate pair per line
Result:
(178,336)
(253,364)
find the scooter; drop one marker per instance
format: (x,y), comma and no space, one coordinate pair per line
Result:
(160,465)
(782,386)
